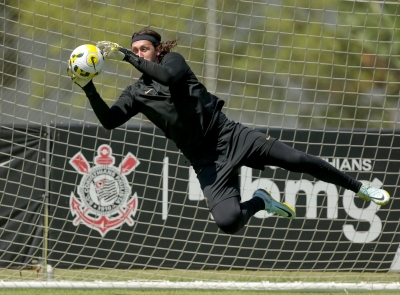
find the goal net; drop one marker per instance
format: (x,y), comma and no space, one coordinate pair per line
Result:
(82,206)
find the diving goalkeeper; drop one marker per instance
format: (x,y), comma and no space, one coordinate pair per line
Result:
(169,95)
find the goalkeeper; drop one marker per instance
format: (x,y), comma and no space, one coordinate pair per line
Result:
(169,94)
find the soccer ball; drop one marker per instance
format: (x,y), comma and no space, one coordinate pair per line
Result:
(86,61)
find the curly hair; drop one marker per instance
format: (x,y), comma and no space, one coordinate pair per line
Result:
(165,46)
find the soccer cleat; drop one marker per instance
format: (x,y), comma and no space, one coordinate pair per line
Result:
(376,195)
(273,206)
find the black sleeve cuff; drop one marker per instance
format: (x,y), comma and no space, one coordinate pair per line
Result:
(132,58)
(89,88)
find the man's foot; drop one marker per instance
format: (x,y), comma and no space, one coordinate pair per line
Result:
(273,206)
(376,195)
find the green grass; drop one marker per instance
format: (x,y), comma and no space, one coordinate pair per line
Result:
(159,292)
(114,275)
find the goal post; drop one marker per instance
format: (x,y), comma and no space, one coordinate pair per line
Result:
(86,207)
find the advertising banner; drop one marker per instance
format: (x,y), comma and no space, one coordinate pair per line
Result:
(129,199)
(22,190)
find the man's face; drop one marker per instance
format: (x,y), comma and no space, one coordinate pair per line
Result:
(146,50)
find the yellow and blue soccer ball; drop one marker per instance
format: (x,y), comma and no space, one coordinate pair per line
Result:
(86,61)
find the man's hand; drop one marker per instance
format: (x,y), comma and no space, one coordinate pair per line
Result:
(111,50)
(77,80)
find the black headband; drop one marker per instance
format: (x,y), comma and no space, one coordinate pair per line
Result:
(152,39)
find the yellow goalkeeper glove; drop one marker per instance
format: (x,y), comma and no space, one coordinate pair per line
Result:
(111,50)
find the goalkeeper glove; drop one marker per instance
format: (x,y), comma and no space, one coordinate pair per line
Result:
(82,82)
(112,50)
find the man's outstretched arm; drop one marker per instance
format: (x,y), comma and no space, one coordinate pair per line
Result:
(110,118)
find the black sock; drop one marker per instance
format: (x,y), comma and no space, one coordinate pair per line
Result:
(257,203)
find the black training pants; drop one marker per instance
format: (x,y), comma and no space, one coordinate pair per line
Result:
(231,215)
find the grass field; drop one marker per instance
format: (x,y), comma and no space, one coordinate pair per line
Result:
(162,292)
(113,275)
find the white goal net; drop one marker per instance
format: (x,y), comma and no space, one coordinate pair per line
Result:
(81,206)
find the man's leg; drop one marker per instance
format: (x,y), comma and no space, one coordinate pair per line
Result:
(286,157)
(230,215)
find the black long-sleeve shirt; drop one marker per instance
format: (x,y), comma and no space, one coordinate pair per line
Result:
(170,96)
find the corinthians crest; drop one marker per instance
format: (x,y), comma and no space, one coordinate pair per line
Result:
(105,200)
